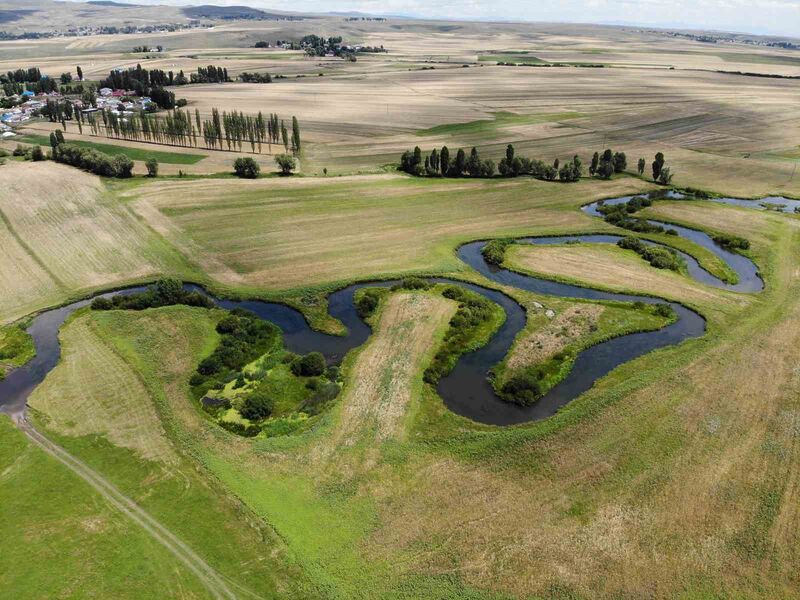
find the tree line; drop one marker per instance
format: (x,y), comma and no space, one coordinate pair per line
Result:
(440,163)
(178,127)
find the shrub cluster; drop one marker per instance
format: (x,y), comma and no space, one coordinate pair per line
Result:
(658,256)
(412,283)
(93,161)
(310,365)
(246,167)
(620,215)
(494,252)
(473,312)
(368,302)
(163,292)
(244,337)
(324,393)
(528,386)
(732,242)
(257,406)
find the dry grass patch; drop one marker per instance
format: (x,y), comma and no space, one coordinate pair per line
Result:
(610,267)
(94,391)
(744,222)
(389,370)
(568,326)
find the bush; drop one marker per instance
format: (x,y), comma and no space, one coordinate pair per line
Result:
(93,161)
(20,150)
(412,283)
(257,406)
(246,167)
(101,303)
(523,389)
(123,166)
(310,365)
(631,243)
(494,251)
(37,154)
(657,256)
(286,163)
(368,302)
(664,310)
(240,428)
(163,292)
(152,167)
(732,242)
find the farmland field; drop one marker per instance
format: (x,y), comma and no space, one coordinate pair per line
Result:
(353,380)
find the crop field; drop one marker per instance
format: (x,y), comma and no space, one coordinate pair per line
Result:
(604,265)
(180,448)
(63,235)
(281,234)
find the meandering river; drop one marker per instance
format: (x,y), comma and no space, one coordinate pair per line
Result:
(466,390)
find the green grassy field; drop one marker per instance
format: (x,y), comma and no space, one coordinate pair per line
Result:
(16,348)
(491,126)
(141,154)
(608,477)
(69,539)
(123,426)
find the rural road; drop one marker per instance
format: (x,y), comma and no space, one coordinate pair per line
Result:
(212,581)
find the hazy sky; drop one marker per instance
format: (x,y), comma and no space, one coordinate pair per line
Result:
(757,16)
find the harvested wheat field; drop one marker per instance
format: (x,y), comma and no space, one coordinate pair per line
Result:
(280,234)
(65,235)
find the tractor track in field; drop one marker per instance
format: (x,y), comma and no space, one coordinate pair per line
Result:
(204,572)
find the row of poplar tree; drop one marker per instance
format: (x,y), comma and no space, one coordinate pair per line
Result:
(223,130)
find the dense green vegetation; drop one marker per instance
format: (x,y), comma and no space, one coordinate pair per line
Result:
(246,168)
(494,251)
(620,215)
(169,158)
(119,166)
(474,322)
(16,347)
(249,384)
(732,242)
(164,292)
(659,257)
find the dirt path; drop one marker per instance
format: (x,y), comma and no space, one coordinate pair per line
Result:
(212,581)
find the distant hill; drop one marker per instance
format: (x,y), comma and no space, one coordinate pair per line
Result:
(7,16)
(112,3)
(208,11)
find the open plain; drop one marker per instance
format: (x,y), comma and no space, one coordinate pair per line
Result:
(317,417)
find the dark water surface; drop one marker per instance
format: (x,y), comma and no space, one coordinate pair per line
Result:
(466,390)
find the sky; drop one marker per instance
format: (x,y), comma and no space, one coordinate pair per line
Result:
(779,17)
